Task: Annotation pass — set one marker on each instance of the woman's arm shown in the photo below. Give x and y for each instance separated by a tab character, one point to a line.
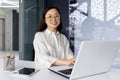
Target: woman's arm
64	62
41	52
68	52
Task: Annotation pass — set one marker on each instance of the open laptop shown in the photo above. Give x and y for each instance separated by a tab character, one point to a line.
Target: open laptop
94	57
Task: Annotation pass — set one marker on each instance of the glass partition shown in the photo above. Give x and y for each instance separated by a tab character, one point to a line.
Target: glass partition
30	11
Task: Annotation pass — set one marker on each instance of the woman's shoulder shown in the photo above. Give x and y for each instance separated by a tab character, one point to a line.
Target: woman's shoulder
63	35
37	34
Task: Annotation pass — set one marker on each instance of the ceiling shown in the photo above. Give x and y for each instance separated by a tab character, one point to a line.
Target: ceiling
10	4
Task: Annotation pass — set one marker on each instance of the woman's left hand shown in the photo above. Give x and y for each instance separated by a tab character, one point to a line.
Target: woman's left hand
72	60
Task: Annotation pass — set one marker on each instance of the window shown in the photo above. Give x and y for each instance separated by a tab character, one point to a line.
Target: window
95	20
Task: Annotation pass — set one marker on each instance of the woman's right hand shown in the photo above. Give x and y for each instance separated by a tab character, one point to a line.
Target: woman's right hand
64	62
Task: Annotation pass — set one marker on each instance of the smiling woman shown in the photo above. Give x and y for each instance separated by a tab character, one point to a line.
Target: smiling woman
51	46
52	20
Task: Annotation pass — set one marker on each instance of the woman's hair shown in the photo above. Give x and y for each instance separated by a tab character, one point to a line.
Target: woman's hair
43	25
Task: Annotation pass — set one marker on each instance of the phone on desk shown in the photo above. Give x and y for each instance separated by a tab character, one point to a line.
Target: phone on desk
26	72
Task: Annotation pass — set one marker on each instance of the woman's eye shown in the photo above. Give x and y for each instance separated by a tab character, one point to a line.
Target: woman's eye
49	16
57	16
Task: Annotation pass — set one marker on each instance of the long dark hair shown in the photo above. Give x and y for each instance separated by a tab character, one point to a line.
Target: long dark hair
43	25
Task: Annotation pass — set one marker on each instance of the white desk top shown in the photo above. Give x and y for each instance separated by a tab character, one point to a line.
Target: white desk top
45	74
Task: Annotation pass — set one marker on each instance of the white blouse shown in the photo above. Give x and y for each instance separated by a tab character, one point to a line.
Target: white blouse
49	47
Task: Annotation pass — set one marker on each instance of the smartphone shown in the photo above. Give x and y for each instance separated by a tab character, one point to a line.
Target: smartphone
26	71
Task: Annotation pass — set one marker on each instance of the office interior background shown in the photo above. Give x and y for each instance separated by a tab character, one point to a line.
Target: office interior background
82	20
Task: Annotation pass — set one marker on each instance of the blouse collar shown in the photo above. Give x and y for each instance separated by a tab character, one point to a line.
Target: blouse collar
50	32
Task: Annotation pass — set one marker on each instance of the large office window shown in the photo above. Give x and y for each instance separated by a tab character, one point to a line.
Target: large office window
95	20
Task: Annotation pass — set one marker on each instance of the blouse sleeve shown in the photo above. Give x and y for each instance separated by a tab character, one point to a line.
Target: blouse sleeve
42	57
68	52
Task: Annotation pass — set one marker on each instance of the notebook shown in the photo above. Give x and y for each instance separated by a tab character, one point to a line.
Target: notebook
94	57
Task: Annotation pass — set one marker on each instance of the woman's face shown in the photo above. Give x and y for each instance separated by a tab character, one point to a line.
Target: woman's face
52	19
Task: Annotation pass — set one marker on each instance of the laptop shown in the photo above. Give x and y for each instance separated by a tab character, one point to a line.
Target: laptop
94	57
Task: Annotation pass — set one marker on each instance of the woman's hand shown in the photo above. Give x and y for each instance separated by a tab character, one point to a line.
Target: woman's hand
64	62
72	59
69	61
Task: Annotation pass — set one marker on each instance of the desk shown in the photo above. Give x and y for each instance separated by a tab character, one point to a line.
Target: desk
45	74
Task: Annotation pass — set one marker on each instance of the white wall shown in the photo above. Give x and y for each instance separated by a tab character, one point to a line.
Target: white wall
7	15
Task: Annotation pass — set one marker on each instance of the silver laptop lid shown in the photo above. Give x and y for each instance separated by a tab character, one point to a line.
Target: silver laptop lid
94	57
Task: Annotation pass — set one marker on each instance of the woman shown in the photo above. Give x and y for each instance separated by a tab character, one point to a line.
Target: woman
51	46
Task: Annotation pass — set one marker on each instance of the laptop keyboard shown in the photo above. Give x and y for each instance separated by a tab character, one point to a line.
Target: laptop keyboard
66	71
